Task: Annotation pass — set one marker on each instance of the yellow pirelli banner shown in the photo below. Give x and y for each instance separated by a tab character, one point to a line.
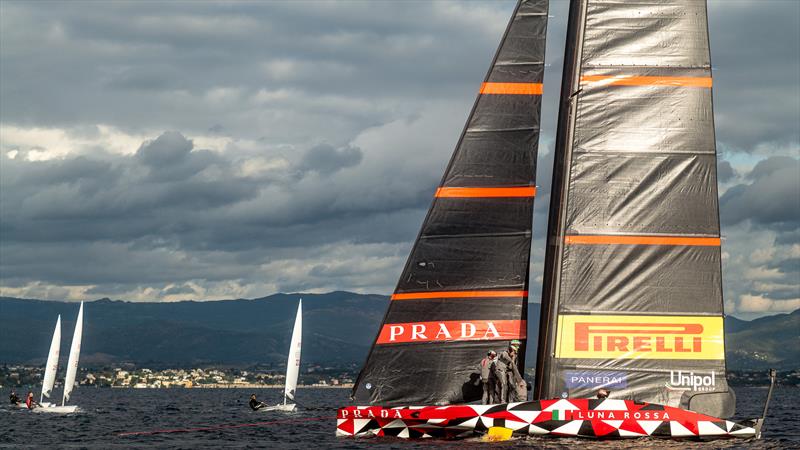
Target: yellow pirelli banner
639	337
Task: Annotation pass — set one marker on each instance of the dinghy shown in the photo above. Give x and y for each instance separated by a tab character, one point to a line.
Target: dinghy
72	368
632	297
292	366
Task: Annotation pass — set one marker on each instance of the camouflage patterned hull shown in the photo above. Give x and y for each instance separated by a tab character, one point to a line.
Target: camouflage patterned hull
604	419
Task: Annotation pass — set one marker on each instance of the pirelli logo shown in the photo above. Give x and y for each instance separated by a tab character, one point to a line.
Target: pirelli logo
640	337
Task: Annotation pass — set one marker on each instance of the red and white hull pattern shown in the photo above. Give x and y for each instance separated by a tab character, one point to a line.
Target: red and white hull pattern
607	419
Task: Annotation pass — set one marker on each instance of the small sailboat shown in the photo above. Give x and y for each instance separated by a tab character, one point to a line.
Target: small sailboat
292	366
72	368
632	296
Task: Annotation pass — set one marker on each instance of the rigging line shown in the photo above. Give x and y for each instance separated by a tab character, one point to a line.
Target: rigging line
222	427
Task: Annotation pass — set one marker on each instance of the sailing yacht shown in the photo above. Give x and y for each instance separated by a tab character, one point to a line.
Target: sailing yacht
292	366
52	367
632	295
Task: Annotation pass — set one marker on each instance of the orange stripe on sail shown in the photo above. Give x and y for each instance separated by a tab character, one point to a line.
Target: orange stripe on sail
643	240
511	88
457	294
452	330
624	80
465	192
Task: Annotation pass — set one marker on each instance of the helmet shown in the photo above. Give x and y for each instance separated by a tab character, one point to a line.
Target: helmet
514	344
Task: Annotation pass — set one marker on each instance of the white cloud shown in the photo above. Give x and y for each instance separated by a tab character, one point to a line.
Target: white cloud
760	304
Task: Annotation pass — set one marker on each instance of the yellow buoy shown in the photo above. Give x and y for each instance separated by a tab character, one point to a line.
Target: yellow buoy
497	434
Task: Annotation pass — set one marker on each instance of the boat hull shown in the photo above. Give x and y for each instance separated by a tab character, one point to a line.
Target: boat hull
56	409
604	419
285	408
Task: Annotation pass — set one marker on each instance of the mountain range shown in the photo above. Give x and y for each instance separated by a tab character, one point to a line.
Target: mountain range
339	327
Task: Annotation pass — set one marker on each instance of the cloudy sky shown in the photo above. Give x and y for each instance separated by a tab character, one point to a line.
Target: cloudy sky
194	150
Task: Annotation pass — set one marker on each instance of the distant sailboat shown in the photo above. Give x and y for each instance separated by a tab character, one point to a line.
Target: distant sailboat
72	367
292	365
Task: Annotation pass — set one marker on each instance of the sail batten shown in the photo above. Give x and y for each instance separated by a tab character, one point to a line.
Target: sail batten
632	280
464	288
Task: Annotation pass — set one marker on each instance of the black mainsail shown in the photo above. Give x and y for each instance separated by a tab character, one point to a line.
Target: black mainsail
464	289
632	295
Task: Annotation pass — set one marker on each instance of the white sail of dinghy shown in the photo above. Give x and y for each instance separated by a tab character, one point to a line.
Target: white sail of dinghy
52	363
72	367
292	365
74	355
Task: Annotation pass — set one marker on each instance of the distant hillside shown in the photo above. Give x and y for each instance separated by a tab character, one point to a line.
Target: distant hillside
338	327
772	341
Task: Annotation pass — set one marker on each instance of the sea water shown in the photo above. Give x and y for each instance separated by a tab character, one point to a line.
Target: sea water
217	418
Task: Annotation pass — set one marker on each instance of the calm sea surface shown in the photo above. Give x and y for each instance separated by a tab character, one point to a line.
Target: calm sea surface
109	413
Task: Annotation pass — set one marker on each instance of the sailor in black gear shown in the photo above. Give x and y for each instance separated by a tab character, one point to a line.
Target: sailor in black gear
255	404
14	398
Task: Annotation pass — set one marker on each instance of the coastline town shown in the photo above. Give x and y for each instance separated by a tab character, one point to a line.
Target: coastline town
19	376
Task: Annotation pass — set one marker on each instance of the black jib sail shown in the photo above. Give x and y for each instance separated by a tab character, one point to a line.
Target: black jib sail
632	295
464	289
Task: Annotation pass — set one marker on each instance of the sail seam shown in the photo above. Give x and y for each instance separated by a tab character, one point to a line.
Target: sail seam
485	192
526	233
511	88
642	240
630	80
456	294
501	130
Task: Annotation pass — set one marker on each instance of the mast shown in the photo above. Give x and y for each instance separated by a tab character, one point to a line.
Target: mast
555	225
632	299
464	289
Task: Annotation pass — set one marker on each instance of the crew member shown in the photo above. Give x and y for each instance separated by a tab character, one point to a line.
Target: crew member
255	404
513	387
14	398
602	393
488	377
30	402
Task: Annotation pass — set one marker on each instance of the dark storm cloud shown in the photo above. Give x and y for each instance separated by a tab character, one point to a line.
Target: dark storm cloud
326	159
336	67
725	171
771	198
755	51
171	212
333	123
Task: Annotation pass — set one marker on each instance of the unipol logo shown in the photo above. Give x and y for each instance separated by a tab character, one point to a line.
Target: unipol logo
640	337
393	333
691	381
